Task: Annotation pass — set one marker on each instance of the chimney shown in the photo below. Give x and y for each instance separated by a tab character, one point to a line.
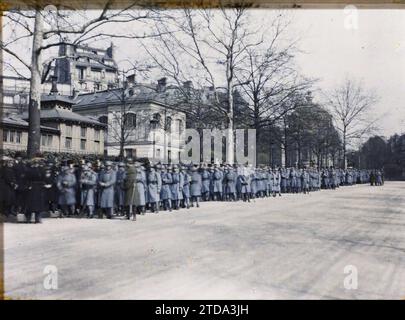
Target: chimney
110	51
54	88
75	93
161	87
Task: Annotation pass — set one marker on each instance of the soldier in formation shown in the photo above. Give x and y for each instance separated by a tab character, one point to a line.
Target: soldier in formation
127	189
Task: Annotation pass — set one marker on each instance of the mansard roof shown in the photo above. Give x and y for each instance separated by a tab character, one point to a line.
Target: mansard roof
138	93
169	96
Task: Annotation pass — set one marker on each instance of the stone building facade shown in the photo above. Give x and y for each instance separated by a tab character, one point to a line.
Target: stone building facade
85	68
77	69
140	119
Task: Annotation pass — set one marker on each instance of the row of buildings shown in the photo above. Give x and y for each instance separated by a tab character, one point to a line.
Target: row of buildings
86	109
100	122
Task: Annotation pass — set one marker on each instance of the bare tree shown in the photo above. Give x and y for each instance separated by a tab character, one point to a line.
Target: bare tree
215	43
47	29
350	105
122	124
268	79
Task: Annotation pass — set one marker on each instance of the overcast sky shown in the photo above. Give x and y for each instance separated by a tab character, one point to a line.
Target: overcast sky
373	51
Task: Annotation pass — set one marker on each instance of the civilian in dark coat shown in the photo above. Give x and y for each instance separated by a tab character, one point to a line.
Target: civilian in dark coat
36	195
51	196
8	188
20	171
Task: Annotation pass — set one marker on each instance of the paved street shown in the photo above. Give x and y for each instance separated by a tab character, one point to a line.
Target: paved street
296	246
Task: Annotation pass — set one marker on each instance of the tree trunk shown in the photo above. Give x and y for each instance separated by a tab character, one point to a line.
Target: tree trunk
344	149
230	155
121	155
257	127
34	128
284	143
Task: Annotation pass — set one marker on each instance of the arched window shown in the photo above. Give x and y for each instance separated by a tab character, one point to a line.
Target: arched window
103	119
130	120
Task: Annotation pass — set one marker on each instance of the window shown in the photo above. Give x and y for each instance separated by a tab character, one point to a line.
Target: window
82	144
96	146
130	120
11	137
68	143
180	126
169	156
50	137
128	153
83	132
18	137
80	73
168	126
8	100
97	134
46	140
16	99
68	130
155	122
5	135
96	74
157	153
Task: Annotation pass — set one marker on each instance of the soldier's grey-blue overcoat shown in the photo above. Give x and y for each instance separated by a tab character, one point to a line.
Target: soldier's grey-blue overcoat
66	184
186	184
217	178
206	181
107	177
166	193
195	184
154	185
88	181
177	186
244	182
230	182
